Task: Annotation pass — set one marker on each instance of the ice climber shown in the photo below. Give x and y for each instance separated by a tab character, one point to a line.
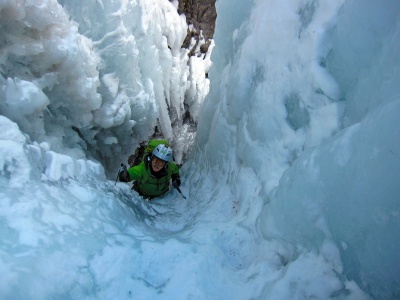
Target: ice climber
153	175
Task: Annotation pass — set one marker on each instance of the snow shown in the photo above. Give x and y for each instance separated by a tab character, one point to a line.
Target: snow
291	178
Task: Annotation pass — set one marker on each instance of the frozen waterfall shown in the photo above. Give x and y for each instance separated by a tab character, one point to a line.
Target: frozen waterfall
292	176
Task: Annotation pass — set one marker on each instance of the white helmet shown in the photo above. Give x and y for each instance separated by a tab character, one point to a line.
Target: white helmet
163	152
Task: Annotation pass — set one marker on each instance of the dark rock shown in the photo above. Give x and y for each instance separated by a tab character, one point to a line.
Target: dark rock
202	15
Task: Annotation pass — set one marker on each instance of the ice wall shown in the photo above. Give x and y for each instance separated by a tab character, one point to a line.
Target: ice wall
143	69
309	90
147	77
93	79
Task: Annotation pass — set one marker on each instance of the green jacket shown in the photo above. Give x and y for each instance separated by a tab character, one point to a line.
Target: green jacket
148	184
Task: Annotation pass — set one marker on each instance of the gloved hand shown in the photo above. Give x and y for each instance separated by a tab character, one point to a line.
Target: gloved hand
176	181
124	175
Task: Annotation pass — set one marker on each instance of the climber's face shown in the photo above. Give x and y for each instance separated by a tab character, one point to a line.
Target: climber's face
157	164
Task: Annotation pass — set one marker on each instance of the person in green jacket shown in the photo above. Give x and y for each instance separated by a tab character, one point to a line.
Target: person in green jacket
153	175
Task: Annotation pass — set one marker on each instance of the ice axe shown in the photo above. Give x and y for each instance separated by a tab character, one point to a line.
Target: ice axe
175	185
119	172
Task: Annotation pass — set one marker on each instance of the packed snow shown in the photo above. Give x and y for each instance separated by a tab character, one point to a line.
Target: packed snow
291	179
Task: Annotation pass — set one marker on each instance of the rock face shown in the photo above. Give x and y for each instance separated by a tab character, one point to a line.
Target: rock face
202	15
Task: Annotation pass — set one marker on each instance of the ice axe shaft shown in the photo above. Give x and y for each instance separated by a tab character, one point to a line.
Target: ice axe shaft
119	172
179	190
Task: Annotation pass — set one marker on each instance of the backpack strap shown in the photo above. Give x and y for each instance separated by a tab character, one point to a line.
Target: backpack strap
147	158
